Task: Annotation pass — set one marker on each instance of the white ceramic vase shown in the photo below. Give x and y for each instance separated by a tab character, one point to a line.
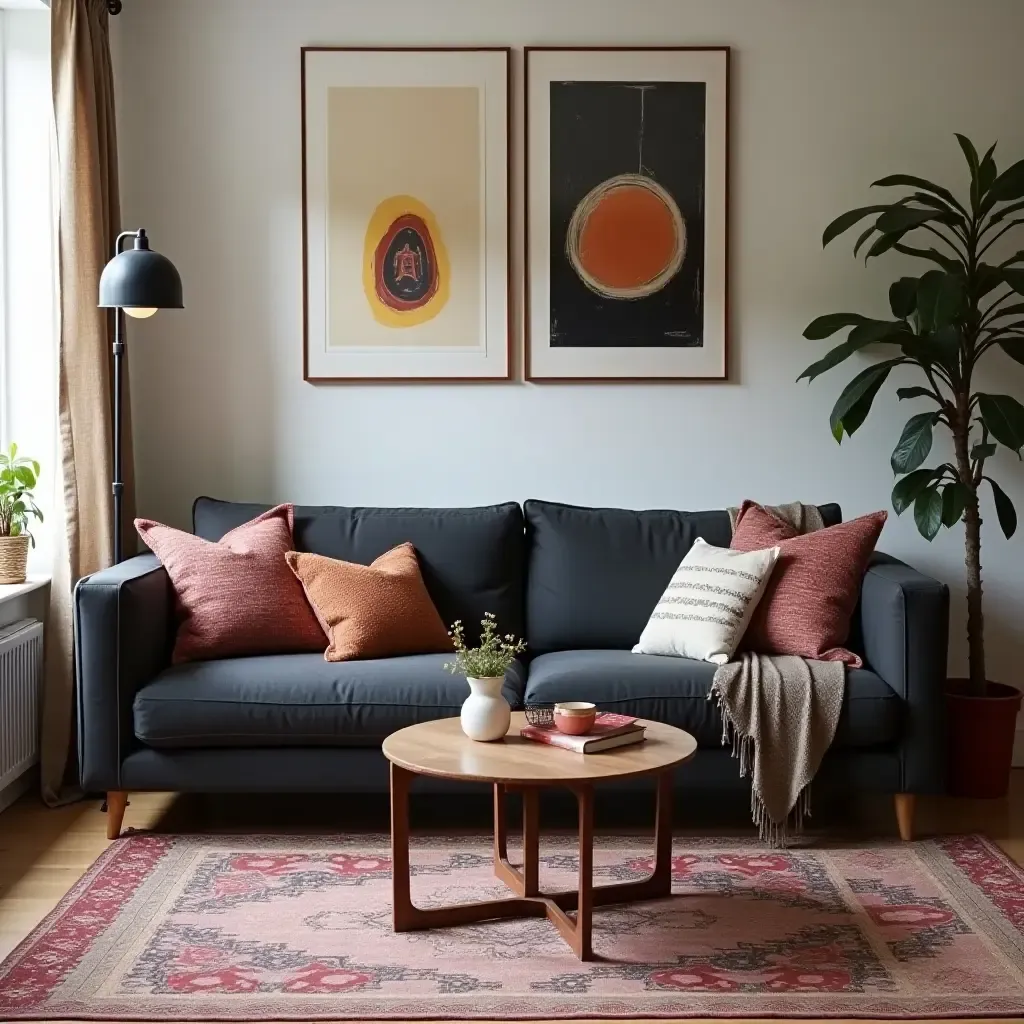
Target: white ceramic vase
486	715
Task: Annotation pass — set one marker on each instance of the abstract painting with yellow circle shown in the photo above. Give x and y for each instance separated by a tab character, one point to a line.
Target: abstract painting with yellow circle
627	214
405	217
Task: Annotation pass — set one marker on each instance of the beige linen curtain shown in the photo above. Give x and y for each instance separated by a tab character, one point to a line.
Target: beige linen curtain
88	221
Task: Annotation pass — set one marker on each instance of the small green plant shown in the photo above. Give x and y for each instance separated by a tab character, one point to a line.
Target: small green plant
492	658
18	476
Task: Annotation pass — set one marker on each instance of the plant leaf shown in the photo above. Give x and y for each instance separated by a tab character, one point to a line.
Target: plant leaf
1010	184
940	299
868	232
904	218
948	263
914	392
883	244
903	297
827	325
1015	279
987	171
906	490
1004	417
1006	211
986	278
928	512
983	451
846	221
914	444
1005	512
854	403
913	181
954	501
1014	348
862	335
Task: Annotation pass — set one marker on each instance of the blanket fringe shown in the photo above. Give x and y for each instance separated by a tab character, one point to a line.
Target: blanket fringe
774	833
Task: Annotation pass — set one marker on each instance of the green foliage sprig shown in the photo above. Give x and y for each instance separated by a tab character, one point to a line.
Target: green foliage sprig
18	477
944	322
492	658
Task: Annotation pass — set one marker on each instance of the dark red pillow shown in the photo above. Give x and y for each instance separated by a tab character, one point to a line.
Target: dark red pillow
810	598
236	596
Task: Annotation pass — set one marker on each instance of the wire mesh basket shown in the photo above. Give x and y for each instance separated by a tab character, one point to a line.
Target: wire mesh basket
540	714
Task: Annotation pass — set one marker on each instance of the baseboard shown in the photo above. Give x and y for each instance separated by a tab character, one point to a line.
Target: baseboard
22	784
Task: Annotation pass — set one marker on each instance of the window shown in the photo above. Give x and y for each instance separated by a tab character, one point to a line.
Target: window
28	317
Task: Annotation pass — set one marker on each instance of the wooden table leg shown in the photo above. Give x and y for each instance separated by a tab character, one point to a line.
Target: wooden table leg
525	879
661	879
531	842
402	908
585	908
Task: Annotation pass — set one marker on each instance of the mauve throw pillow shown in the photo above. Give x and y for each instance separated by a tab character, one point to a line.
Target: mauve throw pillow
381	610
810	598
236	596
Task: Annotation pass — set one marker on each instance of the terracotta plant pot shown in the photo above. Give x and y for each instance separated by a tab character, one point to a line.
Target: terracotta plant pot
13	559
981	735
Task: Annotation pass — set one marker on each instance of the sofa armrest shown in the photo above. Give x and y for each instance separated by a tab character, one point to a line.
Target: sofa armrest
905	623
123	634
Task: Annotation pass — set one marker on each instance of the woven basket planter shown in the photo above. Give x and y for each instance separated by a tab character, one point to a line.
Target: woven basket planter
13	559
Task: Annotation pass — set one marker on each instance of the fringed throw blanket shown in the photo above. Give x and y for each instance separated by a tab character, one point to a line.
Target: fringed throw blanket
780	714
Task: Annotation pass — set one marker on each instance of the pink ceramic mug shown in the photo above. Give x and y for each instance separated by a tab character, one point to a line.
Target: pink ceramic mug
575	717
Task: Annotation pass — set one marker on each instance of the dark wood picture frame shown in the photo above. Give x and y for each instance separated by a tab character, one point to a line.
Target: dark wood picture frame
529	375
509	317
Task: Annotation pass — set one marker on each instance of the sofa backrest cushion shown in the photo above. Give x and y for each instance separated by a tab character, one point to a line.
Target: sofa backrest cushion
594	575
472	559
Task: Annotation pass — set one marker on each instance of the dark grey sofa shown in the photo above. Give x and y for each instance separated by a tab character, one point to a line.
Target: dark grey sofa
579	583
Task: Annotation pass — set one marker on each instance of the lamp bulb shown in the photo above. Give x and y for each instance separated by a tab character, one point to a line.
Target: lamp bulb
140	312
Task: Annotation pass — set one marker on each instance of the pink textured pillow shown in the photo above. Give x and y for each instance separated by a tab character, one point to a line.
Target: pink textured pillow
810	598
236	596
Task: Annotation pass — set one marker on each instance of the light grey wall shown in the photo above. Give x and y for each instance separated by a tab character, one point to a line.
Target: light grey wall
828	95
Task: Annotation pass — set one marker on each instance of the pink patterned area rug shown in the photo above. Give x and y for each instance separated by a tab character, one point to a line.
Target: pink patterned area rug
166	928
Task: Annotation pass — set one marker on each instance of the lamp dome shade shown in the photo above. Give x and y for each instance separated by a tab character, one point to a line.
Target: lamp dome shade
139	277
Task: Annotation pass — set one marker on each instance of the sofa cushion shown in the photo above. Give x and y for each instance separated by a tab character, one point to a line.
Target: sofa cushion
299	700
675	691
594	575
472	559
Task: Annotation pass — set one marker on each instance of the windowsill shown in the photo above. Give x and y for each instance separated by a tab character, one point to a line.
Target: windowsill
10	591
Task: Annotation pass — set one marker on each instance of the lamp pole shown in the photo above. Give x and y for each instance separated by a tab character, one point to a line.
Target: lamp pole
140	282
117	486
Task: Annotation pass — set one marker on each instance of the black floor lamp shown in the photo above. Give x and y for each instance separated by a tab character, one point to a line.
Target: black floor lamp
138	282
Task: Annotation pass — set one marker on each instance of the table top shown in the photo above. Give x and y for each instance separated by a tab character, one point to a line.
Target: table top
442	749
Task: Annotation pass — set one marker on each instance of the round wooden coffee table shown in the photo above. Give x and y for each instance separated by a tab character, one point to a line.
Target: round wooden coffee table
441	749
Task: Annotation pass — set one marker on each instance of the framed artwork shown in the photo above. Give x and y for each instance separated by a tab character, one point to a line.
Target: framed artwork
626	213
405	214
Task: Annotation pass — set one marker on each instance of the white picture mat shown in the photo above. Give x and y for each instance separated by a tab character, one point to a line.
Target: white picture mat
547	66
485	70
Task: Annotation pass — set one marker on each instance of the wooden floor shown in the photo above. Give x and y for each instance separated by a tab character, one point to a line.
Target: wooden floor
43	852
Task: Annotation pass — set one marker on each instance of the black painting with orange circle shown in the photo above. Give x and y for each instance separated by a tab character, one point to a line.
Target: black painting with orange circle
627	214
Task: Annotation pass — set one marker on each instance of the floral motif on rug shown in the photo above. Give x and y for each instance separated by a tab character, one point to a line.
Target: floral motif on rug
170	928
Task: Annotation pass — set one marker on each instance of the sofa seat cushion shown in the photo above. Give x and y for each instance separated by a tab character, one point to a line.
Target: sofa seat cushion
675	691
299	700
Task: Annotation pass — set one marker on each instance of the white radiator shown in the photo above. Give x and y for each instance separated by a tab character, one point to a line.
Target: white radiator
21	666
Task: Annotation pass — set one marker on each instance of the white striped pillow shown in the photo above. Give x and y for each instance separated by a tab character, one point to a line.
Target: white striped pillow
708	603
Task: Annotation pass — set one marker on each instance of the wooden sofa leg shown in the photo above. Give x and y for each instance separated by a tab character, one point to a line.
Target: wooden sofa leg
905	814
117	801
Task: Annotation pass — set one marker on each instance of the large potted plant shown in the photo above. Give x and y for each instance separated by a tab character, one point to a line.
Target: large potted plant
965	305
18	477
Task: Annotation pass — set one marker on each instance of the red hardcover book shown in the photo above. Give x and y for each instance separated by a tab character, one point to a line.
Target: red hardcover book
609	731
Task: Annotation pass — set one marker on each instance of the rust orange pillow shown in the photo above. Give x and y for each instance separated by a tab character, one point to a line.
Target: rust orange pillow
380	610
810	598
235	596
